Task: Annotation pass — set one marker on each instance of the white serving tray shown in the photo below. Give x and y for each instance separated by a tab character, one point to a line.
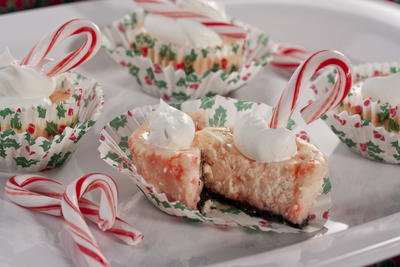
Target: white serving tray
365	217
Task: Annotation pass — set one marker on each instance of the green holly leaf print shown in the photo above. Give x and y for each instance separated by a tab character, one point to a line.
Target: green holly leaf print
207	102
155	199
393	126
324	117
181	96
393	69
25	163
46	144
41	112
191	57
134	71
291	124
191	220
206	73
348	142
181	82
231	210
166	204
160	84
215	67
204	53
235	48
224	76
366	122
51	128
373	148
5	112
60	138
31	141
123	144
150	73
58	159
243	105
219	118
16	122
396	146
337	132
192	78
112	156
326	186
374	156
211	94
130	20
262	39
384	114
119	122
179	206
90	123
176	105
7	133
61	111
331	78
7	143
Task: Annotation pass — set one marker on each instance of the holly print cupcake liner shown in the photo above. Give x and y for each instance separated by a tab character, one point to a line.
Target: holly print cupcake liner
43	137
178	85
357	133
222	112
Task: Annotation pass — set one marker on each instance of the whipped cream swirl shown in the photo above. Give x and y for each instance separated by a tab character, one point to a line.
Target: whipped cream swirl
256	140
22	86
385	88
170	128
185	31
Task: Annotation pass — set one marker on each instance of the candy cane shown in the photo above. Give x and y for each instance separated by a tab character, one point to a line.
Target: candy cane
168	9
300	79
288	57
37	55
43	194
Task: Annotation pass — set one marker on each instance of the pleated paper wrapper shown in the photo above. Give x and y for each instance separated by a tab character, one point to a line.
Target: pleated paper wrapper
222	112
173	85
43	137
362	135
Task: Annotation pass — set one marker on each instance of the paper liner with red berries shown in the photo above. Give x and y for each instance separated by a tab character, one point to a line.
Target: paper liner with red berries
43	137
366	137
233	64
222	112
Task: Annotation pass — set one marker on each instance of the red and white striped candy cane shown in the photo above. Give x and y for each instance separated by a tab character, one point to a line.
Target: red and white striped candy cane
169	9
288	57
302	77
43	194
37	55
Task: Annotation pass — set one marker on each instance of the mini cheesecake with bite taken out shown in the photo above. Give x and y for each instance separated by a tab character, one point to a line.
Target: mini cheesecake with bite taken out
264	172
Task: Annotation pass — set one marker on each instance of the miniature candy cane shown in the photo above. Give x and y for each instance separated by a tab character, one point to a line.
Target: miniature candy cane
168	9
37	55
288	57
300	79
44	195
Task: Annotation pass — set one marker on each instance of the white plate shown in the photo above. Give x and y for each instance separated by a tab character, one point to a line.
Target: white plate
365	216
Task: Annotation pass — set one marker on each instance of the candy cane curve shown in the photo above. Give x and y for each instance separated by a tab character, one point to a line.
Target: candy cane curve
37	55
288	57
43	194
300	79
168	9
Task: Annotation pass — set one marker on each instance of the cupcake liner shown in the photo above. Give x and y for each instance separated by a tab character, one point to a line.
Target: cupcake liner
177	85
23	143
222	112
366	137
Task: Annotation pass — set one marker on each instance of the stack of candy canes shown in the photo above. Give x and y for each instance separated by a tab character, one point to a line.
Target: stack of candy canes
51	197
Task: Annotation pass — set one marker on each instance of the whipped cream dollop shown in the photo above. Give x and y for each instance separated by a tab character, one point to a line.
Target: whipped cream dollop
256	140
385	88
170	128
186	31
22	86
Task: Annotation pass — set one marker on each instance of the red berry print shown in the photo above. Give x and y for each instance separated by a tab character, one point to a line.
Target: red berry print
325	215
363	147
130	113
393	111
357	125
194	86
312	217
342	122
61	129
358	109
378	136
367	102
18	110
144	51
121	28
31	128
147	80
224	63
157	68
70	111
180	66
303	135
102	138
123	64
377	73
166	98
